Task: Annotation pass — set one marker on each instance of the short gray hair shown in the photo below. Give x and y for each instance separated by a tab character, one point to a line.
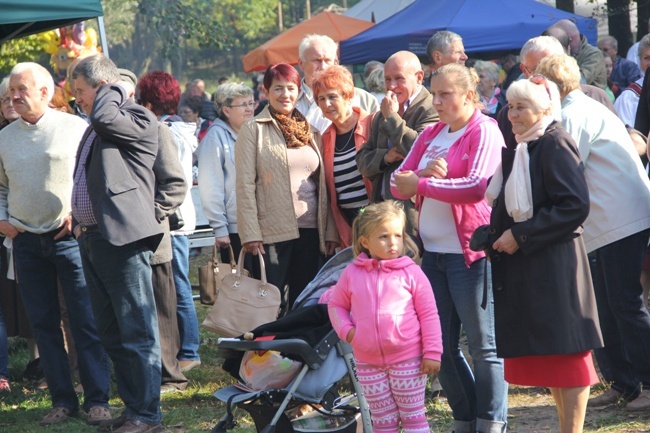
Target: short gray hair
441	41
227	92
375	82
542	97
95	69
312	39
539	44
4	86
611	39
491	69
42	77
644	44
372	65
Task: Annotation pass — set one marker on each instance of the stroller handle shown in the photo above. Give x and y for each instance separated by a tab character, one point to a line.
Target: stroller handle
311	356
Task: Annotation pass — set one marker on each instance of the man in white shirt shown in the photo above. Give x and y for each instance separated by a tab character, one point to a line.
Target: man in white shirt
317	53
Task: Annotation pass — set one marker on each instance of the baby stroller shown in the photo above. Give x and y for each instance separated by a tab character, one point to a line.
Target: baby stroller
304	334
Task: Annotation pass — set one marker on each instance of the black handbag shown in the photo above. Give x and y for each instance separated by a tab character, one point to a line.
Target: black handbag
480	240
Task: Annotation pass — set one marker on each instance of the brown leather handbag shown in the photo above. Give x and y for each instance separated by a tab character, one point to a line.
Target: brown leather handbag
211	274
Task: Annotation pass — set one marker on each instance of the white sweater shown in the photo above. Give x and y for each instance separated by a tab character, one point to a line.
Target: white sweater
36	166
619	190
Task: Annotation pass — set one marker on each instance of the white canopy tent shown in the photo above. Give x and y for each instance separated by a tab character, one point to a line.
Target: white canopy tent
380	9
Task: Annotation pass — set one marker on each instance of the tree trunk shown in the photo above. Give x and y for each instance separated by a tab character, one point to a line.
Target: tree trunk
618	14
643	14
565	5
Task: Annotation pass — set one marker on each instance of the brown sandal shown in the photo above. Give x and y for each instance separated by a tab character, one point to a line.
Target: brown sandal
57	415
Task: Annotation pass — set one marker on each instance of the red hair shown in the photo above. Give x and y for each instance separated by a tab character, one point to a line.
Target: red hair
161	90
281	71
335	77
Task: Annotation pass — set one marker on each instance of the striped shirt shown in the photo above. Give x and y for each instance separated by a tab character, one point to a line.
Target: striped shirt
350	190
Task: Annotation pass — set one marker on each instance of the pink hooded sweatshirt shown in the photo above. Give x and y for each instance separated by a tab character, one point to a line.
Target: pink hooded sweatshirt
391	305
471	161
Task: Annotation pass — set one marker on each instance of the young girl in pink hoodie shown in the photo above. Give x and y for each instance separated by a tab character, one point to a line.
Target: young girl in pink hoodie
383	305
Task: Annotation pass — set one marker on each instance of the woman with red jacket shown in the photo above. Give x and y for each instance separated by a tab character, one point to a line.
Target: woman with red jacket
348	191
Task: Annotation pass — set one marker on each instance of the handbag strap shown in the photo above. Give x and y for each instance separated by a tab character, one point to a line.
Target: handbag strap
216	257
240	265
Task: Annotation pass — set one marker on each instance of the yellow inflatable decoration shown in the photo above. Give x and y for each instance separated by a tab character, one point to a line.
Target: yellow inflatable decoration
67	44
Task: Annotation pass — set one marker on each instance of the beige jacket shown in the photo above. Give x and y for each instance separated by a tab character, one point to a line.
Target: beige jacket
264	203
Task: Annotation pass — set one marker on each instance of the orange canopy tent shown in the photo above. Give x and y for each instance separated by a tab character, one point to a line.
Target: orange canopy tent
284	47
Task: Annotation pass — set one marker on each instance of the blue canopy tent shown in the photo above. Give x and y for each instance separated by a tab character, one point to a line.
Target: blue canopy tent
489	28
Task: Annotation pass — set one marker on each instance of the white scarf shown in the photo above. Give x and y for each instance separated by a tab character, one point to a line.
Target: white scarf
518	190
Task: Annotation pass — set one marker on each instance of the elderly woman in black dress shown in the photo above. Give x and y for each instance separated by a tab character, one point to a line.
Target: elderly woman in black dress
545	312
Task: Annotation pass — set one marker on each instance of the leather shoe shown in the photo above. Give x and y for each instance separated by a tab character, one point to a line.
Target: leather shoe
611	396
642	402
135	426
189	365
111	424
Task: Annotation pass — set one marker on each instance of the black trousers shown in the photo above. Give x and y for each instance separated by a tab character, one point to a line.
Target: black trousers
292	264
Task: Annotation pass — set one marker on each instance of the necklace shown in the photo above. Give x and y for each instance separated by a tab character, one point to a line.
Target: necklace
350	134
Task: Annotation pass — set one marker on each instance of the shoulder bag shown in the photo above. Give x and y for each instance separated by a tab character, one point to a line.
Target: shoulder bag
243	303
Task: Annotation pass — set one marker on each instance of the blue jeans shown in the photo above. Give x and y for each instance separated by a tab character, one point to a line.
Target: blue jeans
41	263
479	401
188	324
624	320
4	348
121	292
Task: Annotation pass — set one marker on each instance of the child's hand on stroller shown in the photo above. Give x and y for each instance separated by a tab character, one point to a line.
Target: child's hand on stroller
429	366
350	336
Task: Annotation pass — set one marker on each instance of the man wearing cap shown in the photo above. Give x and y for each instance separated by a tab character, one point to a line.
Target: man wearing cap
117	230
36	161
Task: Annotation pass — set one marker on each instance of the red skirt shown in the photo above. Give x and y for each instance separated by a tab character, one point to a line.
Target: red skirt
554	371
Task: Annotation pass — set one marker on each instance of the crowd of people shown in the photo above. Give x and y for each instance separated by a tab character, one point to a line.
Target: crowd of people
505	199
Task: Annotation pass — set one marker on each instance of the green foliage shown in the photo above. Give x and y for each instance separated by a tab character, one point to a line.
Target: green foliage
179	20
27	49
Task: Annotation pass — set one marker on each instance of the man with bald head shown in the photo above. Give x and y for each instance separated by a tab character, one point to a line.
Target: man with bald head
589	58
405	111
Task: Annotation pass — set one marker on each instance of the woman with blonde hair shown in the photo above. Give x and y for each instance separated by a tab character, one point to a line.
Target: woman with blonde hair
544	303
448	169
348	191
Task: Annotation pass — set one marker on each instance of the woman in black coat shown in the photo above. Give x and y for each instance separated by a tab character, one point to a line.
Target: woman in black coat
545	311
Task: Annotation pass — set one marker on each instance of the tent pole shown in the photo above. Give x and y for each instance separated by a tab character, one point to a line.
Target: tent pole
102	35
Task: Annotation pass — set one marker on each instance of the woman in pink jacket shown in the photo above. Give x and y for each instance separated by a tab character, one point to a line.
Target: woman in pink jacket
385	298
448	169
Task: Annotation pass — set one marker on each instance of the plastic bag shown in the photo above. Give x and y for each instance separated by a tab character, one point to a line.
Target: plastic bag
268	369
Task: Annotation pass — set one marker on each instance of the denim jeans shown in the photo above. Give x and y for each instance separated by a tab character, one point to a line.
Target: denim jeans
121	292
624	320
188	324
4	348
479	401
41	263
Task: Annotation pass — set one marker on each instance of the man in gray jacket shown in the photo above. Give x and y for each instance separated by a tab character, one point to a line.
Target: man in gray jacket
117	230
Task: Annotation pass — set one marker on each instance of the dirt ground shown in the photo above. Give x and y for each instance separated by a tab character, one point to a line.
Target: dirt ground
532	410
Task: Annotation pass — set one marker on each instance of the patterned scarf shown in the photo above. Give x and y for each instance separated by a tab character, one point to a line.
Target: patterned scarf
294	127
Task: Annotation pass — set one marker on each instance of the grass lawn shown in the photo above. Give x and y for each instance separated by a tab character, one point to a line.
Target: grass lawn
197	410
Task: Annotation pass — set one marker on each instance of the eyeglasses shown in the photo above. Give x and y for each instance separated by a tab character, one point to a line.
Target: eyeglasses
5	101
527	70
244	105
